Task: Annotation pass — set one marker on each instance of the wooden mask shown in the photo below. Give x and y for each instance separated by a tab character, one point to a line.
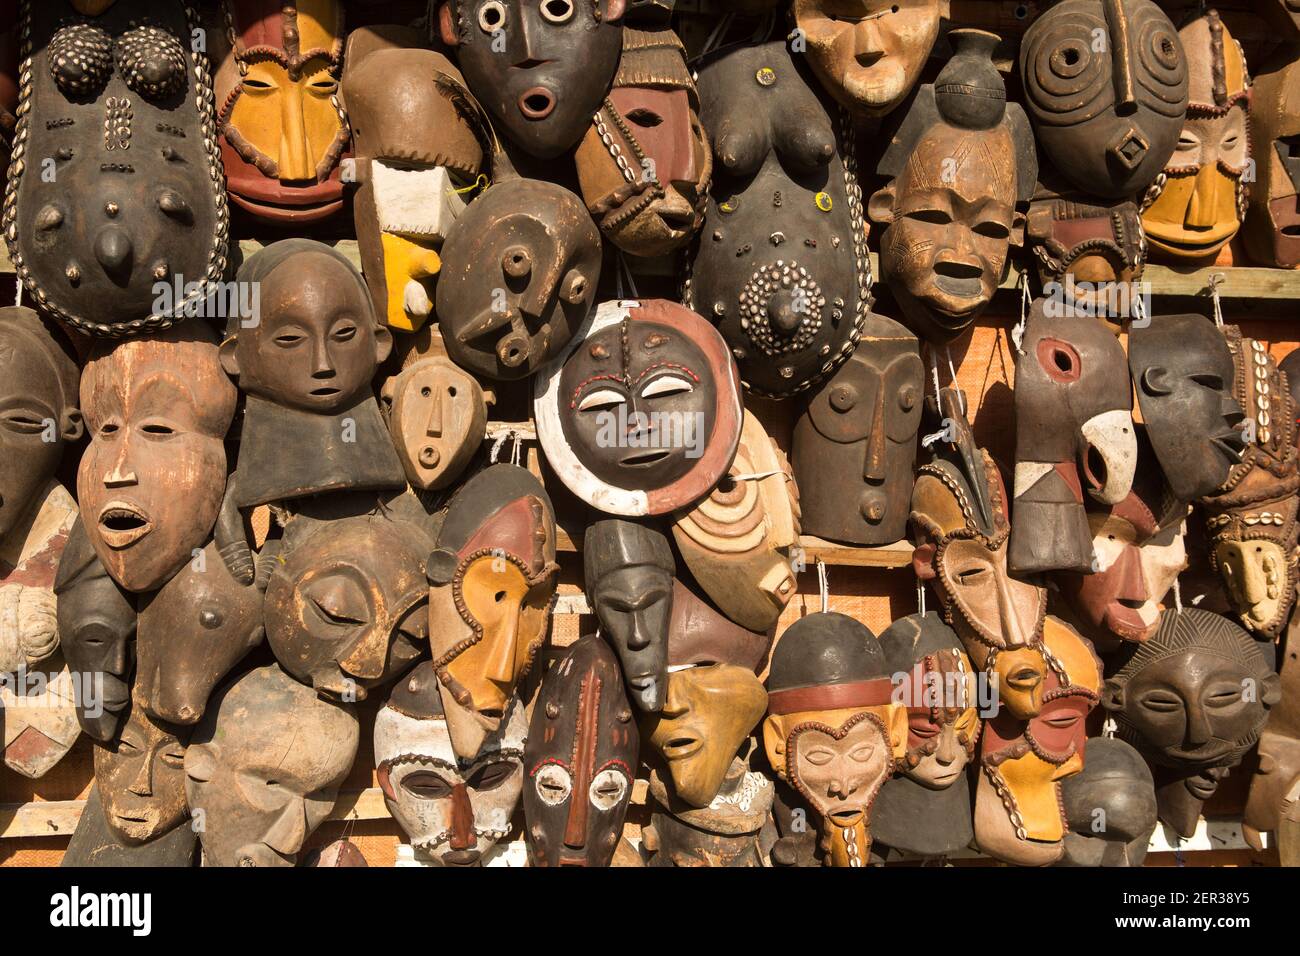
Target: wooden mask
736	542
1086	248
40	718
115	110
519	273
869	54
731	831
833	731
580	759
1110	807
958	168
152	480
641	412
492	580
141	778
95	844
283	129
1279	748
437	416
1107	113
1197	204
541	67
1272	230
263	768
645	164
453	809
855	441
1074	433
791	303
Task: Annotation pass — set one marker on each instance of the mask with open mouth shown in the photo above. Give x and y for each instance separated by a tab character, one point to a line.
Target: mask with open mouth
264	766
541	67
791	302
1074	432
1193	699
492	580
1272	229
122	190
453	809
141	778
580	759
959	169
150	484
833	731
283	129
641	413
1110	807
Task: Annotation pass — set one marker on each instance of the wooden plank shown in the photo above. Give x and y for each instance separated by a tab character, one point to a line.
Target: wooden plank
896	555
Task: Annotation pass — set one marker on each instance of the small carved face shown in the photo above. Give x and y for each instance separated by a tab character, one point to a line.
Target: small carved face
436	414
634	606
941	726
839	769
992	607
141	779
1258	575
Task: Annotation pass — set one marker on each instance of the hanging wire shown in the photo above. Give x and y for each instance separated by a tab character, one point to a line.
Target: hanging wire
920	597
496	447
823	585
961	396
1018	331
1215	281
627	270
518	447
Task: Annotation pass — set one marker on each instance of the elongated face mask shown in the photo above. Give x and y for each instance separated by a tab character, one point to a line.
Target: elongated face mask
437	415
1272	230
1110	807
141	778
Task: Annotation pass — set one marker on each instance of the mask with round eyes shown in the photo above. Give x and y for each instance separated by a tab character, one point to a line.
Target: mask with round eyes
1074	433
1110	807
1272	229
283	129
437	416
541	67
1195	208
791	303
855	444
580	759
263	768
123	119
141	778
519	273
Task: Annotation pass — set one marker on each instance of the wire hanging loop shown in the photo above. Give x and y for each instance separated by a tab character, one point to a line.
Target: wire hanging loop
1216	280
823	585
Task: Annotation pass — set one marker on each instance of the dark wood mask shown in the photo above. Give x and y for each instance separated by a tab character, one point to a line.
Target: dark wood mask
94	844
1279	746
141	779
115	110
733	831
1110	807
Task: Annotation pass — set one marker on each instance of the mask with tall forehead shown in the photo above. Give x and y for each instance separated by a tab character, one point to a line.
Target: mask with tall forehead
641	413
453	809
1110	807
541	67
282	127
1196	206
437	415
645	164
781	265
122	107
1272	229
855	443
1106	87
519	273
141	778
151	482
492	580
869	53
1279	748
264	766
580	759
958	167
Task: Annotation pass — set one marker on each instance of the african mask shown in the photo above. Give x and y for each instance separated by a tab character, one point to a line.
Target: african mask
1074	433
580	759
121	193
628	576
736	541
1198	202
1272	229
1110	807
38	717
152	480
1019	816
541	67
453	809
95	844
1193	699
855	441
1107	113
832	730
190	634
97	622
492	580
1086	249
1251	519
1279	748
732	831
141	778
416	142
519	273
437	416
641	412
959	166
924	808
1182	372
346	608
282	127
29	561
791	302
263	767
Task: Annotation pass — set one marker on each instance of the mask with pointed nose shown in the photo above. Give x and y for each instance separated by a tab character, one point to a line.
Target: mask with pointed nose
263	768
141	778
1110	807
1272	229
437	415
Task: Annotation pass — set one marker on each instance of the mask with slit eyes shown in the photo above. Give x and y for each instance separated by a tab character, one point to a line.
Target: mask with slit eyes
1272	228
141	779
1110	807
781	266
454	810
114	105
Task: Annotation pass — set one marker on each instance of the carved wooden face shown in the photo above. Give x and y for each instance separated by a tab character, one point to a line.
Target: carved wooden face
1272	230
437	415
141	779
838	761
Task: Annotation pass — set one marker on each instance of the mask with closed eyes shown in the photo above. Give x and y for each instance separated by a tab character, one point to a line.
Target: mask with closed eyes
121	106
1110	807
855	442
453	809
781	266
141	778
1272	228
